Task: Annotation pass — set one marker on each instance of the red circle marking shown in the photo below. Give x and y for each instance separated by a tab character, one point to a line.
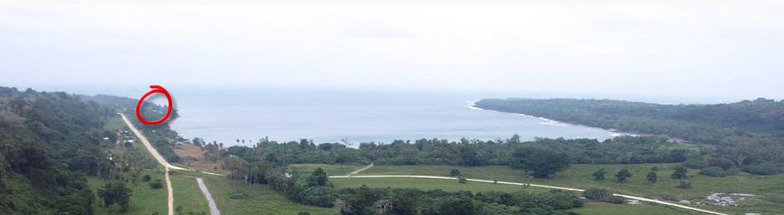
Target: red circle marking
156	89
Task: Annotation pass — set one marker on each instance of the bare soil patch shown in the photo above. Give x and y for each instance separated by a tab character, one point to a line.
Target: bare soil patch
193	157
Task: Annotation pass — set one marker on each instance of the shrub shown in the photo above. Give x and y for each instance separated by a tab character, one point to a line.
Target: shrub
694	163
603	195
622	175
597	194
303	213
461	180
238	194
615	200
454	172
683	184
599	174
559	199
146	178
762	169
723	163
713	171
157	184
669	197
732	171
321	196
651	177
680	173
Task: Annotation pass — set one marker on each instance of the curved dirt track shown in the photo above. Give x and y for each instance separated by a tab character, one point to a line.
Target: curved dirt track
159	158
532	185
360	170
167	166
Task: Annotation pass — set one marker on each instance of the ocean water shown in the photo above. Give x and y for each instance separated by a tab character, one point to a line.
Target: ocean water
225	115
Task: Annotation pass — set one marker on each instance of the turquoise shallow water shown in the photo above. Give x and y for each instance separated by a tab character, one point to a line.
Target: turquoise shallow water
225	115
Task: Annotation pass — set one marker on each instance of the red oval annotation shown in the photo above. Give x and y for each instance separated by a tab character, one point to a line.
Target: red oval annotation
156	89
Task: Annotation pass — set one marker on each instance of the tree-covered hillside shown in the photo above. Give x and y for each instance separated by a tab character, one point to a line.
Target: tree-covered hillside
160	136
49	144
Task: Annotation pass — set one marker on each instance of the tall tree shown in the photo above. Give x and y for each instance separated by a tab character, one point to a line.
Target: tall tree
651	177
539	162
622	175
318	178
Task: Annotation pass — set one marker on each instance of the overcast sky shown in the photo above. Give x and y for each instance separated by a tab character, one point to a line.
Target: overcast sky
726	50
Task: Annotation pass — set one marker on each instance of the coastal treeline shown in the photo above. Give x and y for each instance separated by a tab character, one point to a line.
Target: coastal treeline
509	152
746	135
709	124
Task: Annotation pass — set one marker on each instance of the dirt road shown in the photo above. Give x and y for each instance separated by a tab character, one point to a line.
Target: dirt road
159	158
211	202
149	147
360	170
532	185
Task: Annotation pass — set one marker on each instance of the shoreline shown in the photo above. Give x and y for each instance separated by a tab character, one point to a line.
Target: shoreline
613	132
470	104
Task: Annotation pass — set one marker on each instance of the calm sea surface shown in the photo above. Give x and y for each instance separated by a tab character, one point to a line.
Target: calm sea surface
336	116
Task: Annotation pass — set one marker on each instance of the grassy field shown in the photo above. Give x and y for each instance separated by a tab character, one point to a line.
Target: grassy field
330	169
115	123
144	200
261	199
187	193
590	208
598	208
579	176
430	184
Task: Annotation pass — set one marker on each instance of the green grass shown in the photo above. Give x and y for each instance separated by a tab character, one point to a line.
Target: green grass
430	184
579	176
187	193
263	199
598	208
115	123
144	200
330	169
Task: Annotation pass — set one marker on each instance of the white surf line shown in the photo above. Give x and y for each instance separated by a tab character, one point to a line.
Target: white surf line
533	185
211	202
360	170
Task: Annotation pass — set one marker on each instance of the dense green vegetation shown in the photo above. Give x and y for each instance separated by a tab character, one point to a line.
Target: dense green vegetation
710	124
268	162
768	189
66	154
599	208
233	197
541	158
159	135
430	184
746	135
366	200
52	143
